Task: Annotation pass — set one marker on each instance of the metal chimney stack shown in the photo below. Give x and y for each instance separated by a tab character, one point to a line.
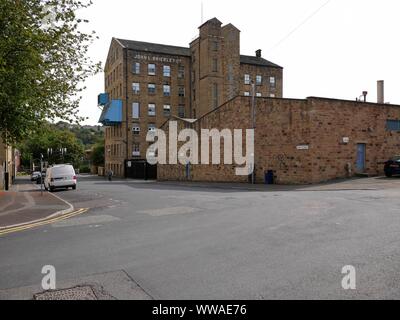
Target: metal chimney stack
381	91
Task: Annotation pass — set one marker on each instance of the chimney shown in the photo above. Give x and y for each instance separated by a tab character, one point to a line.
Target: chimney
365	93
258	53
381	91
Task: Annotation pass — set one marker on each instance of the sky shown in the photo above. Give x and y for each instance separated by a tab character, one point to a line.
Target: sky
333	49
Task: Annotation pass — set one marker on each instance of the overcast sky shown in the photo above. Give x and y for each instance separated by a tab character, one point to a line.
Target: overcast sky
333	49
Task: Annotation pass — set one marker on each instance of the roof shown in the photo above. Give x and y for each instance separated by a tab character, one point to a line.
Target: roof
213	20
155	47
183	51
258	61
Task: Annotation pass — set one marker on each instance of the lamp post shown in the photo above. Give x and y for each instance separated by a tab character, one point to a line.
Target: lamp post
63	151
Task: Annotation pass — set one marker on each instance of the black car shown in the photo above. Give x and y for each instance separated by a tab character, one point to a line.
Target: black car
392	166
38	181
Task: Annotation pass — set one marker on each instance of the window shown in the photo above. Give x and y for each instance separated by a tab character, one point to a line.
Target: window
151	88
167	90
230	72
136	150
152	127
258	94
181	111
167	71
151	69
181	91
215	65
136	129
393	125
136	88
151	109
136	68
272	95
215	95
247	93
181	72
246	79
167	110
272	82
135	110
258	80
215	45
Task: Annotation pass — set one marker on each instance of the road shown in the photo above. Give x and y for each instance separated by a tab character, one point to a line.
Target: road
177	241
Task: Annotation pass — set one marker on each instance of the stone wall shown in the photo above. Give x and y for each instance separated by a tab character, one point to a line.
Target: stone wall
302	141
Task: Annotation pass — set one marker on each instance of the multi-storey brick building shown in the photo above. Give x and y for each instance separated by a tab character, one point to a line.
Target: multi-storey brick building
146	83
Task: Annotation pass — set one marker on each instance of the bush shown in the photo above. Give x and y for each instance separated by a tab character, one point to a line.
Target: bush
84	169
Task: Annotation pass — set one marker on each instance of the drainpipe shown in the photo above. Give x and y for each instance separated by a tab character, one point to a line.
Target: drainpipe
253	125
126	107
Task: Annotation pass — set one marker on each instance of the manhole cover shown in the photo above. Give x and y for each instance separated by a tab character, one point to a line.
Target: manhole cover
76	293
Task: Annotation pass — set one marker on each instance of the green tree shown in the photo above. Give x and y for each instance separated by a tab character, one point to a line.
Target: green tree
89	136
56	145
43	63
98	154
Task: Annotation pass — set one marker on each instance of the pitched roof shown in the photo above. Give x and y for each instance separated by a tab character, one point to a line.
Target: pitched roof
213	20
155	47
258	61
183	51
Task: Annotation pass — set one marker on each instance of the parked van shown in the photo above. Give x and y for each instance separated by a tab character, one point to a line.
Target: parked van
60	176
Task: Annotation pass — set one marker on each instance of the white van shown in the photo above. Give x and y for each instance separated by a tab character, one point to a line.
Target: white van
60	176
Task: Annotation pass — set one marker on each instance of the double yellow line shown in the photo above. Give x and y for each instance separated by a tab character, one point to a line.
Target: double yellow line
43	222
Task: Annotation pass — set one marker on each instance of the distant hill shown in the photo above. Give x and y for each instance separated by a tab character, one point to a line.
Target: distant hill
88	135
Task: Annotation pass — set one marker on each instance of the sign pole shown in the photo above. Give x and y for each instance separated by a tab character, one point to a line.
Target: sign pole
41	177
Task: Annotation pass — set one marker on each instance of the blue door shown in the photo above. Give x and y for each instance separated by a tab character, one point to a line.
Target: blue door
361	157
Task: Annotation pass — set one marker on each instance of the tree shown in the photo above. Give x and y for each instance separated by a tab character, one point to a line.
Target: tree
49	141
43	63
88	135
98	154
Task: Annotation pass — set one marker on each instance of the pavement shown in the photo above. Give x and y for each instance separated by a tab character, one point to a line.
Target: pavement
26	204
151	240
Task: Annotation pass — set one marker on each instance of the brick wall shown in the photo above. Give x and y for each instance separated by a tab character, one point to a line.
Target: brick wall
300	140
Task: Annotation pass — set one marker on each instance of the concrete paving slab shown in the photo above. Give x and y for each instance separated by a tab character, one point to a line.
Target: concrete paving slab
115	285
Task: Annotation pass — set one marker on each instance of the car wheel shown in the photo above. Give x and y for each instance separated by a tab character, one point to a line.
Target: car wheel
51	189
388	174
74	188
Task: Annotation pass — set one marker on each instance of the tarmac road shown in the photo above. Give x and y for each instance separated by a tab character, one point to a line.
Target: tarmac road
185	241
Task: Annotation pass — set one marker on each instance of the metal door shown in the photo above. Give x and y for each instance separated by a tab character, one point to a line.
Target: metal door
360	165
140	169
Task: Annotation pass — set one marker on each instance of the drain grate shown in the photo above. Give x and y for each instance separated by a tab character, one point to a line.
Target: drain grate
75	293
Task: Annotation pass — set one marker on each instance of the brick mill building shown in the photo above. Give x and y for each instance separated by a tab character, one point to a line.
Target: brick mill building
146	83
209	86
